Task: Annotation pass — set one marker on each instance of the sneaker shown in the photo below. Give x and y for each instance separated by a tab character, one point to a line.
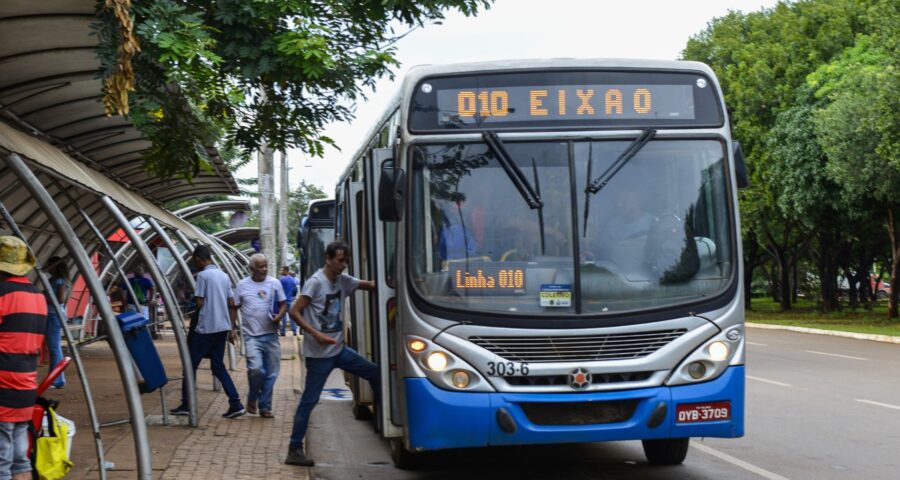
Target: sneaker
266	414
297	457
252	407
234	412
180	410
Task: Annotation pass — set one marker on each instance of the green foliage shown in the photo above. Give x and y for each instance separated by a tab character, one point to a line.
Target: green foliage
252	72
299	205
785	73
212	223
859	129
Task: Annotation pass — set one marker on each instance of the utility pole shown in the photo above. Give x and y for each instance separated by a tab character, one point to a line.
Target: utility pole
283	217
266	168
266	162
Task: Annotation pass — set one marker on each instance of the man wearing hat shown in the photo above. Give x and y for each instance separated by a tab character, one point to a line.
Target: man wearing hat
23	319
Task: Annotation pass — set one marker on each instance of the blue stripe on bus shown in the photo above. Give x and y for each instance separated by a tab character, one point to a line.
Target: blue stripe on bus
440	419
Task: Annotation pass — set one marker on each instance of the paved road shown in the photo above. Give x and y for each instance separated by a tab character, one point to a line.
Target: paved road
819	408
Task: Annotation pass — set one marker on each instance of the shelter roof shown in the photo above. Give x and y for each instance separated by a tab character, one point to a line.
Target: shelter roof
50	88
234	236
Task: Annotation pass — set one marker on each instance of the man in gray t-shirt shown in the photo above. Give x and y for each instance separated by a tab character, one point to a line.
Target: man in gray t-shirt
256	296
318	312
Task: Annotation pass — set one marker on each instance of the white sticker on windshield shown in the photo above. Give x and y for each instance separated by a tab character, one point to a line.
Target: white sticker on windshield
556	295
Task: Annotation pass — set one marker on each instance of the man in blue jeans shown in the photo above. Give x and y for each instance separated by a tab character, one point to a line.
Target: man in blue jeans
216	325
318	312
289	285
256	296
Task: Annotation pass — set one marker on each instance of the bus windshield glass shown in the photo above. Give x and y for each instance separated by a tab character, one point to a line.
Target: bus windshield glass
658	234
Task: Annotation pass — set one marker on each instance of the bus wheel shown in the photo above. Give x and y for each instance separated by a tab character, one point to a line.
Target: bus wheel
402	457
361	412
670	451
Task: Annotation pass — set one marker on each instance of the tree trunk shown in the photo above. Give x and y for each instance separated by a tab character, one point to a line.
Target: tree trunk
784	271
774	289
828	274
751	261
795	286
893	225
852	290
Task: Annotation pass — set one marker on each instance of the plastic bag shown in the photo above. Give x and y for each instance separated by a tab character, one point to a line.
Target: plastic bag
51	456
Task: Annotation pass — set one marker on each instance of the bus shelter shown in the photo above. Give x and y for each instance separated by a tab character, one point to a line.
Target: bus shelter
72	178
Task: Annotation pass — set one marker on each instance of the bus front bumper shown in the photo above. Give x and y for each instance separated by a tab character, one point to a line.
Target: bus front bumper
438	419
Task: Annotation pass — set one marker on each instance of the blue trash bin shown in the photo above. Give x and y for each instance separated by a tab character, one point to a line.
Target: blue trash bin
146	358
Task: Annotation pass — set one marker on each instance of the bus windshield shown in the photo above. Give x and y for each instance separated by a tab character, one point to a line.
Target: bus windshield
658	234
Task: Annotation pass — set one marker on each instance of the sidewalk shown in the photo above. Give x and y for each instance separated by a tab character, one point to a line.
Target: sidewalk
248	447
834	333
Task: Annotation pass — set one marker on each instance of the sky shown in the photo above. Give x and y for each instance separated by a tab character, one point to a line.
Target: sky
519	29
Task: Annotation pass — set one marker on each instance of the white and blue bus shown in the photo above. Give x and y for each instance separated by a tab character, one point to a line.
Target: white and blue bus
557	252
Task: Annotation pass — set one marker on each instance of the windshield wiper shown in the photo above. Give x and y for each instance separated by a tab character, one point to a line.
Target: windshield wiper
594	186
518	179
633	148
537	187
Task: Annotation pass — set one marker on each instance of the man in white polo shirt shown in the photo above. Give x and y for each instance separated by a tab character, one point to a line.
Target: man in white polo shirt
256	296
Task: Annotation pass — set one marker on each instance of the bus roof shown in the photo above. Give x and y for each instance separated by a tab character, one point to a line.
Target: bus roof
418	72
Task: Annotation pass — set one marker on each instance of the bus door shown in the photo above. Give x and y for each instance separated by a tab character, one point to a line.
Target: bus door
384	236
359	337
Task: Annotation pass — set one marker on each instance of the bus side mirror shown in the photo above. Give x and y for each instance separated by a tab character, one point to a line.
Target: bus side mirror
740	168
391	192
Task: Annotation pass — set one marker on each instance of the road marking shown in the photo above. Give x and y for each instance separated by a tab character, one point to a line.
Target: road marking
757	344
836	355
740	463
773	382
870	402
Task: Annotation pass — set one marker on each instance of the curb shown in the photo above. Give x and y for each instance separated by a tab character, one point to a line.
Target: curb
834	333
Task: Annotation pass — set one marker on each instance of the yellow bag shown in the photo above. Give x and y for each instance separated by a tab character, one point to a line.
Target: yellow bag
51	460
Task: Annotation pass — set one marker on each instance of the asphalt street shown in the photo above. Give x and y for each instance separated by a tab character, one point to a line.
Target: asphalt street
818	407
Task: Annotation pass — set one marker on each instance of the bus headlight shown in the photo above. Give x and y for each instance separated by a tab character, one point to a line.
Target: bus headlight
460	379
710	360
437	361
442	367
416	345
718	351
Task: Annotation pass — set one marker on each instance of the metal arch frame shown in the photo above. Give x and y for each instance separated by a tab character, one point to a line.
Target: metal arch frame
170	305
114	337
171	246
73	348
236	254
215	206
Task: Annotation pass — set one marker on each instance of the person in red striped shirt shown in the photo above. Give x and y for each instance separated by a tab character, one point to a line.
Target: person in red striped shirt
23	319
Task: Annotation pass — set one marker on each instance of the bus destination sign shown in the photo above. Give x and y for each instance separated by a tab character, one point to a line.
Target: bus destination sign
564	100
472	107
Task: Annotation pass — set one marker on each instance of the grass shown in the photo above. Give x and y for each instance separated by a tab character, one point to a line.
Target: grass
805	314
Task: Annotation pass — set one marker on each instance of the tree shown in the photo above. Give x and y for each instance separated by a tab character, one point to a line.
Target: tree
859	130
761	59
191	73
299	205
211	223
